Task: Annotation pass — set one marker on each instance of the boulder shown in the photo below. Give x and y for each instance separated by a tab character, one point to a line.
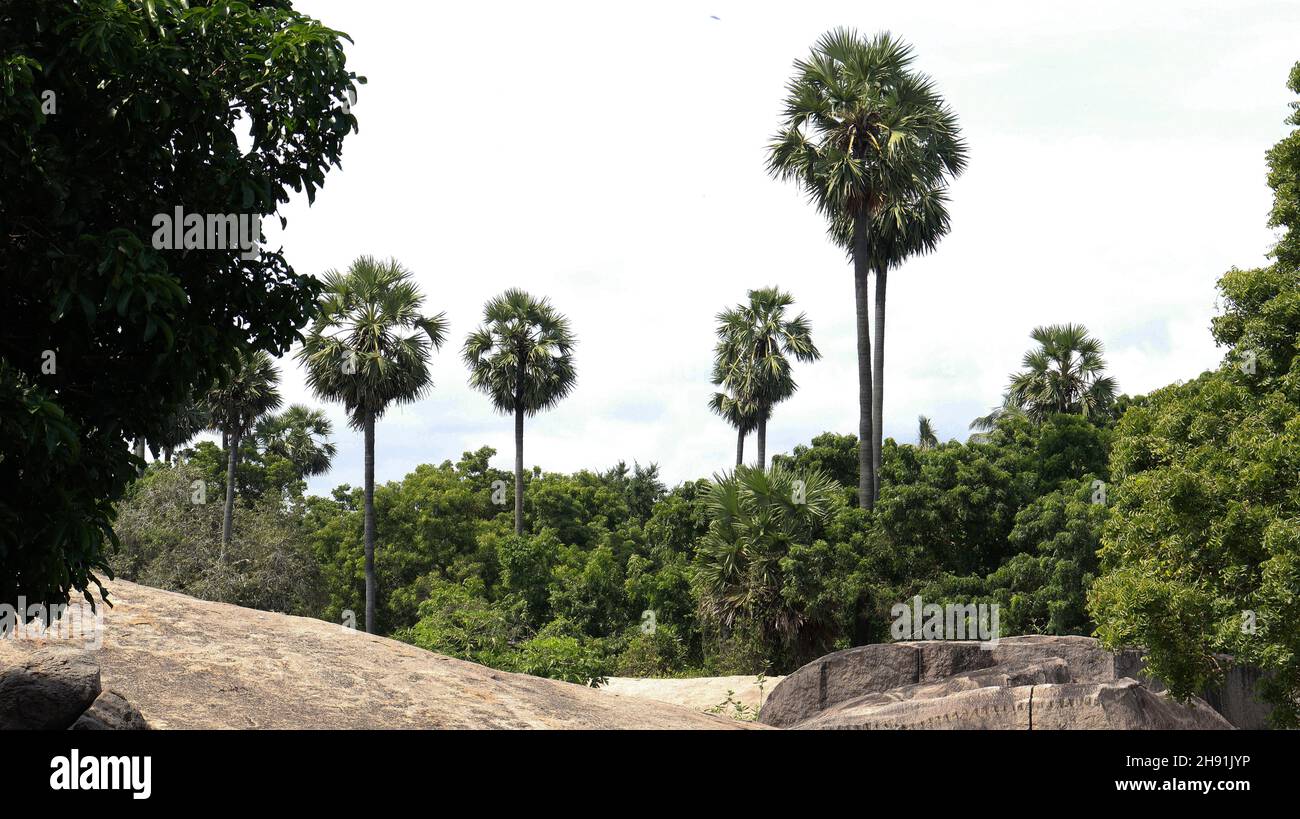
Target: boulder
47	689
1122	705
1035	681
111	712
188	663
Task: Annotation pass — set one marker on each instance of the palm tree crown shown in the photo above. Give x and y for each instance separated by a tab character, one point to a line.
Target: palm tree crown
522	355
926	437
752	359
300	435
369	347
1063	374
864	134
250	390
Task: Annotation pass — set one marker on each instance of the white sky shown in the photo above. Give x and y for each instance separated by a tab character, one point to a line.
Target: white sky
611	157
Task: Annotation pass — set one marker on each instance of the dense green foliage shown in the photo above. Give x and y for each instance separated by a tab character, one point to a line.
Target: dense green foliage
1202	553
752	572
111	113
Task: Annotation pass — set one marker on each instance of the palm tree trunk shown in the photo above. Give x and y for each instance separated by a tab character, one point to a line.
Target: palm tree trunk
228	517
878	380
740	447
866	437
762	442
519	465
370	523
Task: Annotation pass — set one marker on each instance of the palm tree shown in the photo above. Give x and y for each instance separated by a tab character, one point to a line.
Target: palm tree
248	390
757	516
738	412
754	340
1063	374
522	358
369	348
909	225
300	435
985	424
925	436
186	421
863	135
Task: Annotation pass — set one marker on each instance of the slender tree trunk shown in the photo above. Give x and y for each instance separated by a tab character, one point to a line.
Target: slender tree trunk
139	453
168	452
862	299
370	523
740	447
878	380
519	465
762	441
228	517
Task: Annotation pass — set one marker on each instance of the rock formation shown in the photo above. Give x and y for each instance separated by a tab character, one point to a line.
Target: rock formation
187	663
57	687
1024	683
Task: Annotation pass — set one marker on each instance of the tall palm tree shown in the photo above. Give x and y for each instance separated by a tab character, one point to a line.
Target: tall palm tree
740	413
369	349
864	133
755	341
908	225
926	438
301	436
249	390
1063	374
522	358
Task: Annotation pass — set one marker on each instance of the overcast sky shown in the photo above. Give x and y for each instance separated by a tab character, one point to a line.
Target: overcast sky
611	157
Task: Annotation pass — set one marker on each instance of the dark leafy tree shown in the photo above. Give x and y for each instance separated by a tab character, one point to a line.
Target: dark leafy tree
111	114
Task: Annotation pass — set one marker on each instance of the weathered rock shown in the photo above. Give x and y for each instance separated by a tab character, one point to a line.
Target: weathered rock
187	663
902	684
1087	660
111	712
47	687
988	708
1237	698
853	672
1123	705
